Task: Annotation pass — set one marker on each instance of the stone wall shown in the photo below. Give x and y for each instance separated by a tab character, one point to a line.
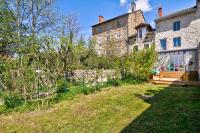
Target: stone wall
189	32
93	75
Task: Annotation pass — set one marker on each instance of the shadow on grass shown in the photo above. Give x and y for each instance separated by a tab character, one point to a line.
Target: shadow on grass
174	109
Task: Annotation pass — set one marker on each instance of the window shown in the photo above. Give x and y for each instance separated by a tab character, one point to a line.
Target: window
135	48
176	26
140	33
163	43
108	27
118	35
146	46
99	40
108	38
100	30
118	24
177	42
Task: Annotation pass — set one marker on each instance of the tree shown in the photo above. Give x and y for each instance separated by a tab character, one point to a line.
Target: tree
68	31
7	29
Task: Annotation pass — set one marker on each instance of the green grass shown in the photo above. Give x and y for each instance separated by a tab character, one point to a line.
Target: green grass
126	109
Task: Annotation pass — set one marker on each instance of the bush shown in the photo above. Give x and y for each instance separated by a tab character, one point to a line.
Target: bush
13	101
62	86
138	66
88	90
113	82
129	80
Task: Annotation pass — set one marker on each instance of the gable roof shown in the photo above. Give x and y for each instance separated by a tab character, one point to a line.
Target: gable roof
149	27
179	13
123	15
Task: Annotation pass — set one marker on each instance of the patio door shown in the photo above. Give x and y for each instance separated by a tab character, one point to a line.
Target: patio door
179	61
176	62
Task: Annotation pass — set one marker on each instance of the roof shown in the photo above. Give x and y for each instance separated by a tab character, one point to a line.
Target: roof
115	18
144	25
179	13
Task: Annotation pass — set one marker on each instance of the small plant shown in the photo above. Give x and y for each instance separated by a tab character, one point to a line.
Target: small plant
13	101
88	90
113	82
62	86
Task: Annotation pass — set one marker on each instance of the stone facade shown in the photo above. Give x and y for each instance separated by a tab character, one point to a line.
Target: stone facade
189	30
112	35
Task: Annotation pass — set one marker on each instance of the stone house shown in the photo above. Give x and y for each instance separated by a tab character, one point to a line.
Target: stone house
177	40
114	35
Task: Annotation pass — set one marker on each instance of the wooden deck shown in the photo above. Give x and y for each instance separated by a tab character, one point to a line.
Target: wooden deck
181	83
177	78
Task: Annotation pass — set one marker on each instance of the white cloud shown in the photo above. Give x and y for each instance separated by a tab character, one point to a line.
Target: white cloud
143	5
123	2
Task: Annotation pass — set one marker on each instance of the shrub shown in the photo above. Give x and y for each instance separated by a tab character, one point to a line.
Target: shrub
87	90
113	82
138	66
13	101
62	86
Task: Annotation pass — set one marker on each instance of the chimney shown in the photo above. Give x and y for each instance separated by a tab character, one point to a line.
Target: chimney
101	19
133	7
160	11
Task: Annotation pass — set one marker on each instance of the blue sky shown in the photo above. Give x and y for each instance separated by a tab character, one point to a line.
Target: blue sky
89	10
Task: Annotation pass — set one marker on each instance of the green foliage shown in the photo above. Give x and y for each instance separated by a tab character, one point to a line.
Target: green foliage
113	82
62	86
138	65
88	90
13	101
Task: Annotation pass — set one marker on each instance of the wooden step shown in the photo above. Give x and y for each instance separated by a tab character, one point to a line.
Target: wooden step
172	74
181	83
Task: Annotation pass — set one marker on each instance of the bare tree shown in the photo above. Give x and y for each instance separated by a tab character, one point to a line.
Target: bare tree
68	30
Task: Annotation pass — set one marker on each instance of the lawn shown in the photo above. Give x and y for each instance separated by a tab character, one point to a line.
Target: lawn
127	109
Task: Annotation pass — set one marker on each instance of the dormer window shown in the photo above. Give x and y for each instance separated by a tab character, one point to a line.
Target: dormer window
140	33
177	26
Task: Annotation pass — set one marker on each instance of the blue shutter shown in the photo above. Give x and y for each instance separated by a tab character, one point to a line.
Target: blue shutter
178	25
174	26
179	41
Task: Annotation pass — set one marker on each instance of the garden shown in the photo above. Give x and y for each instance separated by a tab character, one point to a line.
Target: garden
52	79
